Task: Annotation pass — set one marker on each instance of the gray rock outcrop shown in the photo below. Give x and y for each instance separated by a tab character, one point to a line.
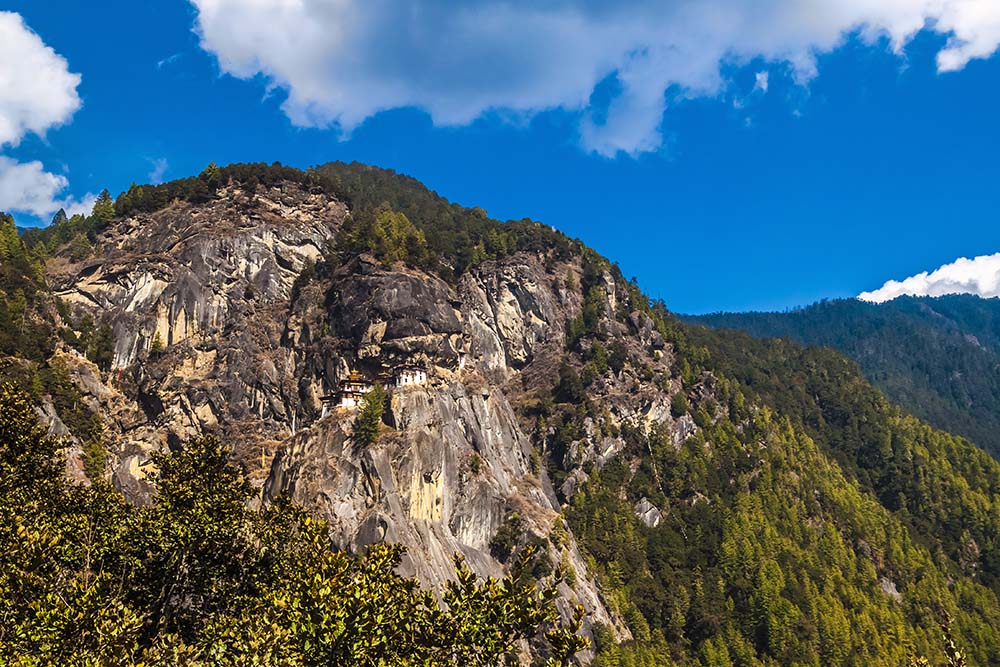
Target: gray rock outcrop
216	330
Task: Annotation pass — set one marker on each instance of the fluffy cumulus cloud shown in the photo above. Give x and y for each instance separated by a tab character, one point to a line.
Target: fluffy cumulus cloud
28	188
37	92
980	276
341	61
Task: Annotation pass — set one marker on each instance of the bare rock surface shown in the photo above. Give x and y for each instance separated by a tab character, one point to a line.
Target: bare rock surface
214	333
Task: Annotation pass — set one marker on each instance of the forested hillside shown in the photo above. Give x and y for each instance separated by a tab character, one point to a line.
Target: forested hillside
708	498
808	521
31	332
937	357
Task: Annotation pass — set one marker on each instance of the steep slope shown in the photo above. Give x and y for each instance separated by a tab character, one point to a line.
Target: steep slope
33	356
234	316
195	301
937	357
720	500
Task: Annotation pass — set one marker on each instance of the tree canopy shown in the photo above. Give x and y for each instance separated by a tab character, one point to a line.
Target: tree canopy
199	578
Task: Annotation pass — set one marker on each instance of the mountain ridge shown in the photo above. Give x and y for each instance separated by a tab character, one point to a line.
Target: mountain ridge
718	500
937	356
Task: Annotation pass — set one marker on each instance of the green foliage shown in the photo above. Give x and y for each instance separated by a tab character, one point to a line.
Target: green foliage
211	173
139	199
617	356
938	484
953	654
28	460
456	237
509	536
28	334
23	294
937	357
104	207
28	322
803	492
369	420
570	388
10	243
437	235
96	342
803	501
679	405
768	566
95	459
76	234
199	578
388	235
80	248
52	602
587	323
649	653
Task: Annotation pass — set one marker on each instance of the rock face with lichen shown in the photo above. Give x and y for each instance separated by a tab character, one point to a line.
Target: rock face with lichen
216	328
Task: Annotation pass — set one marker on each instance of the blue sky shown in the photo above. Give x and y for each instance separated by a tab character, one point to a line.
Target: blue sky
810	165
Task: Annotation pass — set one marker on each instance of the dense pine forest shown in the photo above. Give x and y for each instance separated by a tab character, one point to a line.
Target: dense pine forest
806	518
937	357
792	530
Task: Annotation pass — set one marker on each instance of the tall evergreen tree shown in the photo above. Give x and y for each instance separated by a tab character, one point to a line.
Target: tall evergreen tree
104	207
369	420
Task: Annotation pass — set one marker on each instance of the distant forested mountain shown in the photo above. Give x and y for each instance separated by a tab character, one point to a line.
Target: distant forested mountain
937	357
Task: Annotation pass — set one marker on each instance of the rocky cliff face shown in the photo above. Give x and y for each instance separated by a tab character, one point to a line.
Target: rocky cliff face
214	331
457	461
197	299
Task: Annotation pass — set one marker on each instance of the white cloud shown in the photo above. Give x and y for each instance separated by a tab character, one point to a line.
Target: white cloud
73	206
37	90
980	276
975	31
160	167
761	80
342	61
169	60
26	187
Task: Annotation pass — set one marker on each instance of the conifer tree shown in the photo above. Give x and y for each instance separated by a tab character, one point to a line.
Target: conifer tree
369	419
104	207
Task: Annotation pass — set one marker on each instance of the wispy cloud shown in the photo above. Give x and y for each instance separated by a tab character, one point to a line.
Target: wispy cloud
761	81
980	276
160	167
342	62
169	60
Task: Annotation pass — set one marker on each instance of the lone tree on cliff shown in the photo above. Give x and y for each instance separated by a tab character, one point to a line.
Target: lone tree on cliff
369	419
